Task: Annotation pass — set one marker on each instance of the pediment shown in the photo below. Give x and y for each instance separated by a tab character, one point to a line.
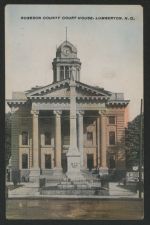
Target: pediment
63	92
87	90
62	89
51	89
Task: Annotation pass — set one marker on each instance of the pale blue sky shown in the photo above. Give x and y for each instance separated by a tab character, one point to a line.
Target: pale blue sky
111	51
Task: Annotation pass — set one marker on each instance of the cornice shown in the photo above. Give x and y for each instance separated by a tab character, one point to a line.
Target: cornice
117	102
15	102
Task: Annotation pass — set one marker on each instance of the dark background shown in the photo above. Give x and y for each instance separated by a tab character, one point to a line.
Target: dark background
146	9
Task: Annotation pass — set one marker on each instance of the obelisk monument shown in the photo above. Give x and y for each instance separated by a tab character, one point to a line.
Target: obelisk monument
73	155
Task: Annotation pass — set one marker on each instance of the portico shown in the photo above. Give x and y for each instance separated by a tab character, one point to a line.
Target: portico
62	141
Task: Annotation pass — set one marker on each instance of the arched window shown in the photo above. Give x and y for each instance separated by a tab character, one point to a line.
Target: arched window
24	161
24	138
61	73
47	138
112	138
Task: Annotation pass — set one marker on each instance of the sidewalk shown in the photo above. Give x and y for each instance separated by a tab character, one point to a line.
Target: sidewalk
29	190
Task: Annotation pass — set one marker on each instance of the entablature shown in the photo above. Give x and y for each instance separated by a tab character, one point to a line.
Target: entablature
66	106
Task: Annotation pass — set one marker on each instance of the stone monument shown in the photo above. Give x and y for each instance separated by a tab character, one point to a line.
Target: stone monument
73	155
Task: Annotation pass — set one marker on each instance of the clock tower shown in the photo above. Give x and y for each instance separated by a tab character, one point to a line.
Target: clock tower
66	60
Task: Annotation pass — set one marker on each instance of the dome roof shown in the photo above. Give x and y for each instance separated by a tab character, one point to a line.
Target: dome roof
67	44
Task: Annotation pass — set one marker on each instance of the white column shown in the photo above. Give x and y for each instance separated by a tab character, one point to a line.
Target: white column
35	136
35	170
69	71
80	136
79	75
73	155
58	73
103	157
98	141
58	139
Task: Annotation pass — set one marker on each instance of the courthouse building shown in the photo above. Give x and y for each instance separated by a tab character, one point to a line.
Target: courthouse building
40	129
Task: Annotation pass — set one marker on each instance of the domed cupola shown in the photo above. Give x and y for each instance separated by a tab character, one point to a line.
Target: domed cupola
66	60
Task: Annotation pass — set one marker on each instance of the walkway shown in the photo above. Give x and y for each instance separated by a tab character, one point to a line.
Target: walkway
29	190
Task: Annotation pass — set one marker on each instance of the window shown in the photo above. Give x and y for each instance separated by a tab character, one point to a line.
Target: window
111	138
47	138
24	138
67	72
47	161
111	119
61	73
24	161
112	162
90	136
90	161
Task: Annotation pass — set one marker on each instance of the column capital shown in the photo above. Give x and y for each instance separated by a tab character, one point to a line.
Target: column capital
34	112
57	112
13	110
80	112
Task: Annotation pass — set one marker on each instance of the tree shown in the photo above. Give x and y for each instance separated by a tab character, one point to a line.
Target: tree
132	142
7	137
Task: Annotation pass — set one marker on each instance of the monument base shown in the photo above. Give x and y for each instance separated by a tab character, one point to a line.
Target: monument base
73	176
73	163
103	171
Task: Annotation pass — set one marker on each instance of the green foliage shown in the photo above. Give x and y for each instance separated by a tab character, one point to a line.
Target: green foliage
7	137
132	142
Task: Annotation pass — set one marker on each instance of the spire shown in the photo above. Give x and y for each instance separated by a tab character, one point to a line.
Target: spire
66	34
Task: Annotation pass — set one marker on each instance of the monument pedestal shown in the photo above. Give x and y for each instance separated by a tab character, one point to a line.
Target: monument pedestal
73	163
73	155
103	171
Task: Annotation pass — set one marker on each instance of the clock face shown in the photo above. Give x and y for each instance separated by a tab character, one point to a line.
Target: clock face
66	50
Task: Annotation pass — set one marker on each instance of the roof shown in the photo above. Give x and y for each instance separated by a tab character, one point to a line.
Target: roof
67	43
60	90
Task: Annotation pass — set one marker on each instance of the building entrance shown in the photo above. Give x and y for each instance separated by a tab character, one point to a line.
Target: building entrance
64	163
90	162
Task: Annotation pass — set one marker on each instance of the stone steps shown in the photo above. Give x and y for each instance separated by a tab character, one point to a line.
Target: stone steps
77	192
89	185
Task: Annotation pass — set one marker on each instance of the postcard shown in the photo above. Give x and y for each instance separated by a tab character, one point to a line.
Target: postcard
74	112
